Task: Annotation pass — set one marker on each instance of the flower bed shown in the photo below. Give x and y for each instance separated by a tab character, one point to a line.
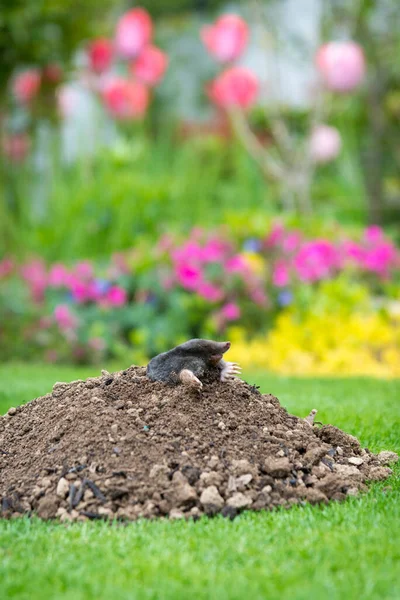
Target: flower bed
151	298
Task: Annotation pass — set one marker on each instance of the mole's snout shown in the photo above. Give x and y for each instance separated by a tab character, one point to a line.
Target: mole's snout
227	345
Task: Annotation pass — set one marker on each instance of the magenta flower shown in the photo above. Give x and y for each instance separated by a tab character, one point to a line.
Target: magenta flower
275	236
125	99
26	85
230	311
210	292
316	260
64	318
188	275
59	275
100	54
34	273
291	241
381	258
116	296
373	234
236	264
280	275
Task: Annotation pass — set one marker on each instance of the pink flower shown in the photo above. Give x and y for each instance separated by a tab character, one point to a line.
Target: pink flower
214	250
258	296
291	241
189	276
58	275
125	99
26	85
16	146
64	318
236	87
236	264
280	275
230	311
210	292
52	73
150	65
80	290
227	38
84	269
100	54
341	65
316	260
381	258
325	143
34	273
373	234
275	236
353	252
116	296
191	251
134	31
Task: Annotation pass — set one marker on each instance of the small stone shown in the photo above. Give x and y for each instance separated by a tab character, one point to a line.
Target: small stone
48	506
221	426
277	467
114	428
353	491
195	512
62	488
61	511
174	514
280	453
355	460
211	478
349	471
44	483
12	411
239	500
213	462
243	480
339	450
386	457
266	489
88	495
211	500
241	467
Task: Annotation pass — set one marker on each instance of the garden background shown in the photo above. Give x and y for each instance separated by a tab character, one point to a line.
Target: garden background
228	177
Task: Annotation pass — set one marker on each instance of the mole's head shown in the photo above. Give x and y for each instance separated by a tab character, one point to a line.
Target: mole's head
209	350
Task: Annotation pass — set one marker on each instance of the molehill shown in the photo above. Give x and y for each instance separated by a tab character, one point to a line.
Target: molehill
120	446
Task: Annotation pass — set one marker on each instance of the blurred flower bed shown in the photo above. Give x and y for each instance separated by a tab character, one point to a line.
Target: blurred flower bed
290	303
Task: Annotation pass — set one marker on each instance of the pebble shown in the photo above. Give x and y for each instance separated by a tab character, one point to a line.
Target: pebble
114	428
62	488
239	500
355	460
12	411
210	498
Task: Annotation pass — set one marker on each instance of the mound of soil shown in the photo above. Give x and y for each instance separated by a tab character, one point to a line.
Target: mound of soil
121	446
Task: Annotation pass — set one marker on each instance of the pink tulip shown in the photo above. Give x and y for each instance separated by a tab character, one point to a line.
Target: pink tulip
26	85
16	146
341	65
230	311
125	99
235	87
150	65
325	144
227	38
134	31
100	54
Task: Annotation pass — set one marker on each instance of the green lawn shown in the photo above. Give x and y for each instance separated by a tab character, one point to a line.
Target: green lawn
341	551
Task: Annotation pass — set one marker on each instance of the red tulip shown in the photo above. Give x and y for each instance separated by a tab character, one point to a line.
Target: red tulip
325	143
134	31
26	85
150	65
341	65
16	146
226	38
100	54
125	99
236	86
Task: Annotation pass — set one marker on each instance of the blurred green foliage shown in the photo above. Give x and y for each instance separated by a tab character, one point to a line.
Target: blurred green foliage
45	31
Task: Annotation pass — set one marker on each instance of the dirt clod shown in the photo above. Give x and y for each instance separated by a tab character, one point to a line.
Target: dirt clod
119	446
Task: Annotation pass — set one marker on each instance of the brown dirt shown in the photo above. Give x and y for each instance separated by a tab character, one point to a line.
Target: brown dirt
121	446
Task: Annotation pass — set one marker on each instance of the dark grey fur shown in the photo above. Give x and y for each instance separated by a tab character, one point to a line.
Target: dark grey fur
197	355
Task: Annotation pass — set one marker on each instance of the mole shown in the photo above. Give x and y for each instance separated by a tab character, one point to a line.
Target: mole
187	362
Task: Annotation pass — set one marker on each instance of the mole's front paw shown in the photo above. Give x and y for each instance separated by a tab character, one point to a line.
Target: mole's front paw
230	371
188	378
